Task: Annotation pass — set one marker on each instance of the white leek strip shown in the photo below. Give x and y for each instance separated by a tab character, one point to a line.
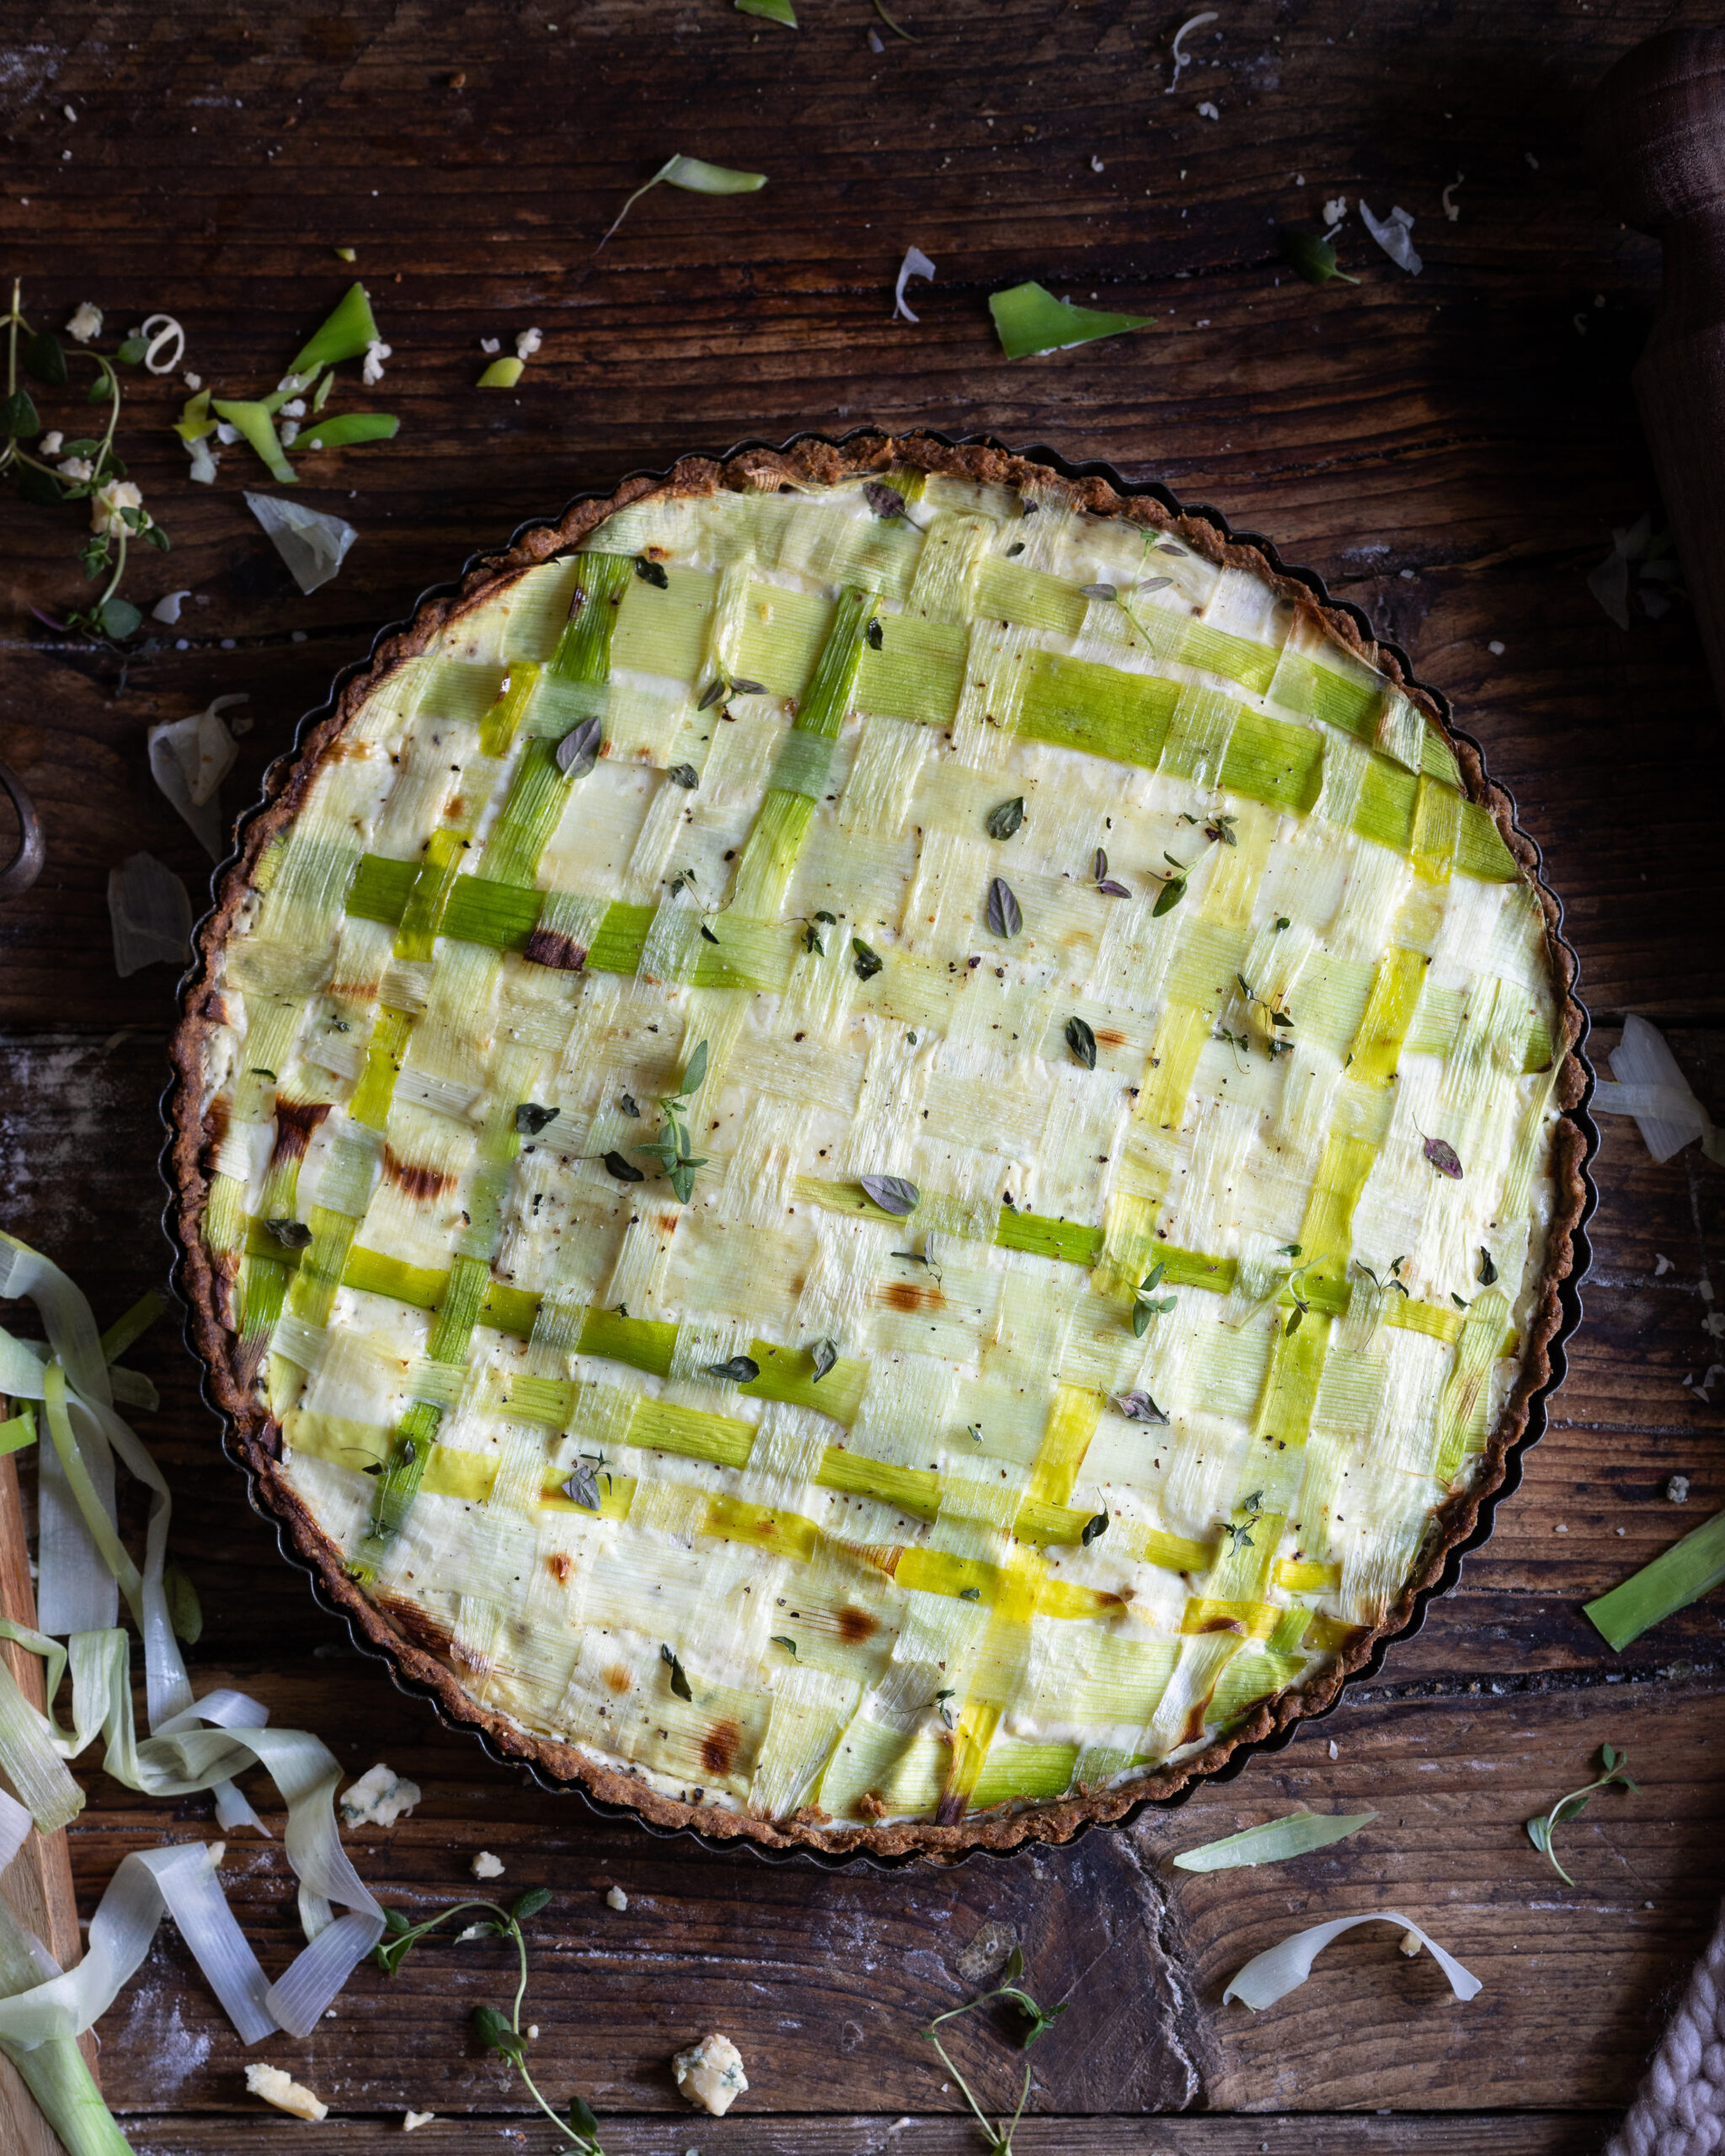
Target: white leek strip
96	1518
189	760
1272	1975
915	263
15	1824
1182	58
149	913
54	2071
1273	1841
33	1764
1652	1089
313	544
66	1317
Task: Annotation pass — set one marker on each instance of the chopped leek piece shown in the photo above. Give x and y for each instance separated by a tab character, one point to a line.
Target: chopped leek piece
195	423
1273	1975
343	336
1273	1841
698	177
313	544
18	1431
501	374
133	1326
258	429
769	11
1678	1576
343	429
1029	320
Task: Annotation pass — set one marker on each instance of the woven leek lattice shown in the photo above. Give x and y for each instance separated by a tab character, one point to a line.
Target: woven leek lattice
1188	1140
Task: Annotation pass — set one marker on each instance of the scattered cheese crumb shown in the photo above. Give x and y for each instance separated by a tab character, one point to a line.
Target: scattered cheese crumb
284	2092
528	343
77	469
215	1852
109	505
371	367
193	381
1097	165
533	2032
417	2119
69	113
616	1899
473	1931
48	446
1560	1528
1662	1265
1452	210
1335	1749
1495	648
487	1866
1411	1944
710	2074
1335	209
1677	1489
489	345
1208	111
85	324
378	1799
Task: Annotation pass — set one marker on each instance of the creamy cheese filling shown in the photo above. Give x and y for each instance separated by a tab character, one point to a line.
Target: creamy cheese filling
1138	937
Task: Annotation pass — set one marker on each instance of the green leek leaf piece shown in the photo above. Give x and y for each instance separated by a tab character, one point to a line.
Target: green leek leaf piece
898	30
769	11
184	1608
1678	1576
258	429
1274	1841
343	429
133	1326
1310	257
502	374
18	1432
698	177
343	336
195	423
1029	320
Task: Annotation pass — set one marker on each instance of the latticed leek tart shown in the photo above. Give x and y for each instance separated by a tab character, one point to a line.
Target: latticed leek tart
873	1150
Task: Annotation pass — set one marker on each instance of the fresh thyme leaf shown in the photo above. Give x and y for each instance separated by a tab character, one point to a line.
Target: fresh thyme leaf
782	1640
869	963
1311	256
884	500
291	1234
578	751
1540	1831
530	1119
876	635
1081	1041
1098	591
1111	889
771	11
748	688
529	1904
711	694
1017	545
684	775
679	1682
629	1106
1282	922
891	1193
1004	918
1099	864
624	1170
826	1355
682	1178
1003	821
1222	828
969	1594
651	572
582	1487
1442	1156
494	2032
740	1369
1172	891
1139	1407
973	1430
941	1697
18	418
1457	1301
707	934
1094	1526
1488	1274
1153	1279
694	1071
812	943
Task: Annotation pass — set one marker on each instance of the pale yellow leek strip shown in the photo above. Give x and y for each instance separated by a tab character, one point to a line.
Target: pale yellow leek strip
1167	1080
1389	1012
1306	1575
1071	1425
83	1490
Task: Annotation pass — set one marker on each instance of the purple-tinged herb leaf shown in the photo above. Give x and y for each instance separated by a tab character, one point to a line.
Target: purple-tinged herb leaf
1004	918
884	500
1442	1156
579	750
1139	1407
1110	889
891	1193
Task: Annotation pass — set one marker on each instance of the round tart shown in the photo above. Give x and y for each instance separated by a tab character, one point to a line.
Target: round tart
874	1151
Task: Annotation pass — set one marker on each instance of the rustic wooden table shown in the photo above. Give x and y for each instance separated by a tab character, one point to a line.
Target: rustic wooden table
1452	451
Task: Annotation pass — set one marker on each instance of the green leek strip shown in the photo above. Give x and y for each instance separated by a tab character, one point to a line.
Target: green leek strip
1351	705
1385	809
17	1432
769	858
1437	824
318	1275
695	1433
1326	1233
263	1283
1031	599
1248	1679
370	1104
1074	1242
642	1343
1074	703
822	709
422	917
341	430
39	1777
1462	1410
622	938
1389	1012
1040	1524
787	1374
258	429
343	334
970	1747
133	1326
1290	1390
1480	850
912	1489
918	673
1023	1771
452	1330
101	1528
1273	760
498	725
1677	1577
583	651
537	796
54	2071
380	889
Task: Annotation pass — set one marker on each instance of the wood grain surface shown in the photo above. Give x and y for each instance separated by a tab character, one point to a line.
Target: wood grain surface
1452	453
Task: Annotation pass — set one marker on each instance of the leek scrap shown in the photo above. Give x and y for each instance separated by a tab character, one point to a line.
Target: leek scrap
133	1326
698	177
343	429
501	374
769	11
18	1431
1029	320
344	335
1273	1841
1272	1975
1678	1576
258	428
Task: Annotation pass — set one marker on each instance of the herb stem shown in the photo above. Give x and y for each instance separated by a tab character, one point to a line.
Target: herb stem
113	580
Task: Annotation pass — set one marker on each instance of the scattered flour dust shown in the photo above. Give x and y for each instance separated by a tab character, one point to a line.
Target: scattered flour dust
59	1100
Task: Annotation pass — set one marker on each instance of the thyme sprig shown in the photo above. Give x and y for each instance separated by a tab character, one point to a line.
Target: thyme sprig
1038	2021
671	1149
499	2032
89	469
1146	1304
1540	1831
